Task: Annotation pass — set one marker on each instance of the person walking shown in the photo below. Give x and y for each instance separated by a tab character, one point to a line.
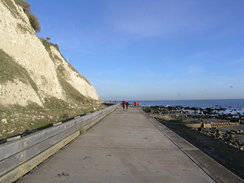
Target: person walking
123	104
127	104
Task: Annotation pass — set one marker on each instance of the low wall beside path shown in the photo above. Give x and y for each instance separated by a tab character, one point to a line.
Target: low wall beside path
20	156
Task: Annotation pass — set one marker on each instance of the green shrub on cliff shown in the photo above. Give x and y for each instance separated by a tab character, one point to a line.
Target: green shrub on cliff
34	22
32	18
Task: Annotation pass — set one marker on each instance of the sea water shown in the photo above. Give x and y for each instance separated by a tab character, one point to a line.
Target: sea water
230	104
224	103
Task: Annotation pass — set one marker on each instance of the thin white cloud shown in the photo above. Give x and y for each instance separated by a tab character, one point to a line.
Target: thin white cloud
158	18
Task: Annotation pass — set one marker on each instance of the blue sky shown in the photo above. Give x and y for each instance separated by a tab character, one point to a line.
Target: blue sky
150	49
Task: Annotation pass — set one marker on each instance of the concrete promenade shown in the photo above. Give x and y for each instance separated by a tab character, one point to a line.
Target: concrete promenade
127	146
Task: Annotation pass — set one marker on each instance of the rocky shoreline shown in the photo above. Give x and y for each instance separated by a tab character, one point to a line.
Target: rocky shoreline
228	128
223	144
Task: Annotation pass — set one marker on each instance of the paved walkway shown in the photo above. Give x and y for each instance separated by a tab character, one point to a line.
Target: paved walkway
129	147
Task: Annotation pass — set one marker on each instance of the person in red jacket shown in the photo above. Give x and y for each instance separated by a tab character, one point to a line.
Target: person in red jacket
123	104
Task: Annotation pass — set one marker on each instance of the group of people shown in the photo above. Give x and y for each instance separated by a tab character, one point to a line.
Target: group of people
125	104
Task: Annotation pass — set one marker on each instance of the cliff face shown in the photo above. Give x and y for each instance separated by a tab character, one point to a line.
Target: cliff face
33	73
19	41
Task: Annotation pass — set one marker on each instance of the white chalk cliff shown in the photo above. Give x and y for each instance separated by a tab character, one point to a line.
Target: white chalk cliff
44	72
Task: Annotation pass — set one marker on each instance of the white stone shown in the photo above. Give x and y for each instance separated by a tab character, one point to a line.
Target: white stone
5	121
